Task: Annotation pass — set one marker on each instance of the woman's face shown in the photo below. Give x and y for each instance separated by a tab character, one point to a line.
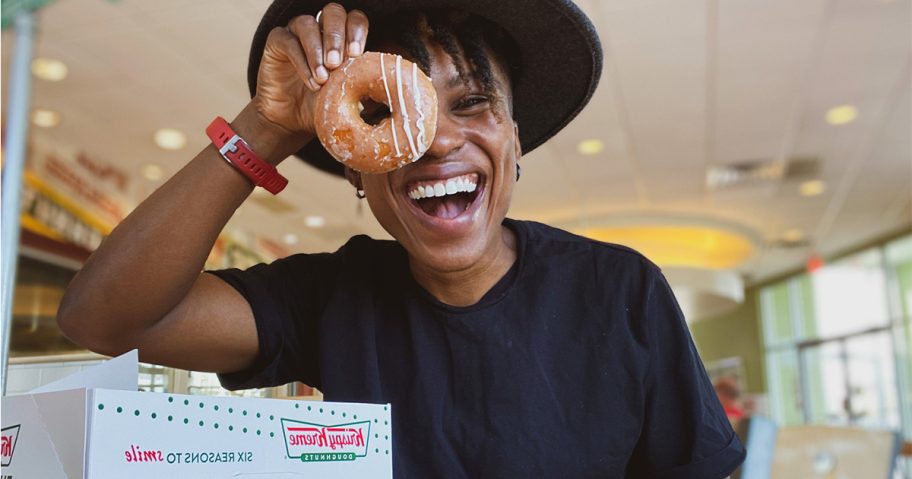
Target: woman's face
477	143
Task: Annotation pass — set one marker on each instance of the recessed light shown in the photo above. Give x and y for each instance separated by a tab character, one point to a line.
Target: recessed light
841	115
45	118
170	139
49	69
793	235
314	221
812	188
290	239
590	147
153	172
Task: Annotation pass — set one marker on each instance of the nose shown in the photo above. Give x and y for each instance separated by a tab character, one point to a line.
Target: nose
448	139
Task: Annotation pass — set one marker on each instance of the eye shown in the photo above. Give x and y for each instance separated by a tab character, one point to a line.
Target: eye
472	102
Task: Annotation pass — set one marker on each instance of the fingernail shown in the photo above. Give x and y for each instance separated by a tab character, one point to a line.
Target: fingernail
354	49
322	74
333	58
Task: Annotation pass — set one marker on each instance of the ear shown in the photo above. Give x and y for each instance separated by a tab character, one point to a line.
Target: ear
516	143
354	178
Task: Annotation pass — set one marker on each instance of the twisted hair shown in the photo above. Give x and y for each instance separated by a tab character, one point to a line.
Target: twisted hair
467	39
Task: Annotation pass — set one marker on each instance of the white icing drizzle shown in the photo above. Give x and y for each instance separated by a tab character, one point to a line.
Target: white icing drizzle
345	71
419	123
389	101
405	120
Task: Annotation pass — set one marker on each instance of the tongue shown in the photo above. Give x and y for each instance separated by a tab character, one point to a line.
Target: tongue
447	207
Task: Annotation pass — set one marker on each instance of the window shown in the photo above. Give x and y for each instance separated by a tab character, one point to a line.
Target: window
898	258
850	295
153	378
838	342
207	384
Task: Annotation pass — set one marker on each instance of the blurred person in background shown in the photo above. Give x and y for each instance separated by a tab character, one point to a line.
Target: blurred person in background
729	395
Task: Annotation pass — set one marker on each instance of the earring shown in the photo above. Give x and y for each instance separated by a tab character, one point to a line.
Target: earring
359	193
518	172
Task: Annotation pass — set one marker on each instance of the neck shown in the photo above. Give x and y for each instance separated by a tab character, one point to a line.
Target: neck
466	287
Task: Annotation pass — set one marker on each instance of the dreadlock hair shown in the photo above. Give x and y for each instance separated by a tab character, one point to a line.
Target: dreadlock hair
468	40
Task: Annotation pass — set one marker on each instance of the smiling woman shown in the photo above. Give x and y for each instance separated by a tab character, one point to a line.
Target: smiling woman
493	339
476	145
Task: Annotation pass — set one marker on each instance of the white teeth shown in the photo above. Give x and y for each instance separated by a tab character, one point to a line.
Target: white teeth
450	187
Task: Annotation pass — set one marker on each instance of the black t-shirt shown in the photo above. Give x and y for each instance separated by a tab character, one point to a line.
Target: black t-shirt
576	364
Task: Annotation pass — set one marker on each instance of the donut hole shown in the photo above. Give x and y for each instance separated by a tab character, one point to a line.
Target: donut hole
373	112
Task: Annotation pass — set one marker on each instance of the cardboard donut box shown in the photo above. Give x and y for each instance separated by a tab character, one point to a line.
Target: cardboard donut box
61	431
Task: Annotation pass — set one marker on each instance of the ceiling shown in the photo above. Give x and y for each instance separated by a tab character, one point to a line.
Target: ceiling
687	85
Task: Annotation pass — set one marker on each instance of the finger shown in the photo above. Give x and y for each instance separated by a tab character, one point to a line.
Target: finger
288	45
333	25
356	32
307	31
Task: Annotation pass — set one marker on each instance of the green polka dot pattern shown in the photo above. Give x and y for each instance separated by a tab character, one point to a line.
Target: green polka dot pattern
219	412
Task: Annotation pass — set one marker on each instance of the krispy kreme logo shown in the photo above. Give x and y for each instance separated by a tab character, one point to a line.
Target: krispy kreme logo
310	442
8	443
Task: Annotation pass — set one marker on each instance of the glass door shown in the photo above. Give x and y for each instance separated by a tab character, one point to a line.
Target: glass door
851	381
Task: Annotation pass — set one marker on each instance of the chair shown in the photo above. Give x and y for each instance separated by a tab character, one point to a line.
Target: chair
808	452
805	452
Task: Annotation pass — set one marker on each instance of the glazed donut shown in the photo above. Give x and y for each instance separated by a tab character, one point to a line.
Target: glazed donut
395	141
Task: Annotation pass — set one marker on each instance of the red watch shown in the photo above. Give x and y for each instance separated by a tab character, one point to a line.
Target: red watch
238	154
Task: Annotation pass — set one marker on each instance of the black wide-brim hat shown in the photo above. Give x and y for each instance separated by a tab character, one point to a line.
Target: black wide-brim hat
560	64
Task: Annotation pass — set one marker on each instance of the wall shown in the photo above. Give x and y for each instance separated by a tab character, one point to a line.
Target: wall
735	334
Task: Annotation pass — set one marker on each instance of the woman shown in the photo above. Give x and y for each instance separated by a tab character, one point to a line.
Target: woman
506	348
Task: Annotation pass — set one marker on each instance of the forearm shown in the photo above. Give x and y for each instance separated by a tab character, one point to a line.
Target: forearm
151	260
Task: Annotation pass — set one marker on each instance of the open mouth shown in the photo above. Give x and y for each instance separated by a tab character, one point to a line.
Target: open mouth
445	198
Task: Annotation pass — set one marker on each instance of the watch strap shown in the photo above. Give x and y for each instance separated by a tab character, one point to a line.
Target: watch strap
238	154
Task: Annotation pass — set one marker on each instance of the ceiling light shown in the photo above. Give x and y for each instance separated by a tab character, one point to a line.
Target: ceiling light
49	69
683	246
841	115
590	147
793	235
45	118
812	188
153	172
170	139
314	221
290	239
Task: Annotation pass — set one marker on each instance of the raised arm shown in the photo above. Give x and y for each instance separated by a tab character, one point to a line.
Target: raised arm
143	287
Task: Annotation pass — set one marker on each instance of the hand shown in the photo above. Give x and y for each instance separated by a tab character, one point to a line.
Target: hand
297	60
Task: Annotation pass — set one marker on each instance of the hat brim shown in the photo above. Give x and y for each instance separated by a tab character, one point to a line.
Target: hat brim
561	58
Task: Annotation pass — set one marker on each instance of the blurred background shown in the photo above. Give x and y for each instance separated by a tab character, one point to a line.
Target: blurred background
760	151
